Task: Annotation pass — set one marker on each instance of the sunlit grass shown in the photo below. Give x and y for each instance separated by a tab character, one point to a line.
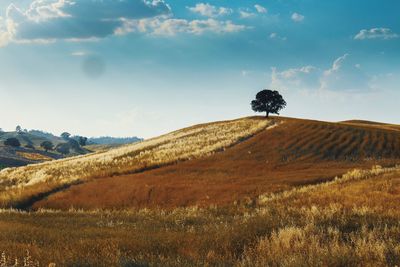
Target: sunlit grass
20	183
352	221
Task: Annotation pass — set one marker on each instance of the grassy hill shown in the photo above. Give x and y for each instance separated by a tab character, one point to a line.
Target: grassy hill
248	192
30	151
293	153
185	144
254	156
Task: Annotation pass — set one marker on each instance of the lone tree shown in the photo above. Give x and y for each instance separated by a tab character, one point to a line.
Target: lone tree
268	101
14	142
47	145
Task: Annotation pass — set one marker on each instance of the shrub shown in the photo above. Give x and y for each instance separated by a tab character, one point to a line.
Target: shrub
13	142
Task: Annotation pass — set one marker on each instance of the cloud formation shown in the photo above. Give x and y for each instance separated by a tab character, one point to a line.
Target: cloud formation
245	14
208	10
171	27
376	33
260	9
47	20
295	78
341	76
79	20
296	17
276	36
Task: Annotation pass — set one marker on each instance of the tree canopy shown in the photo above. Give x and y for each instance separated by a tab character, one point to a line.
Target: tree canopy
65	135
14	142
268	101
47	145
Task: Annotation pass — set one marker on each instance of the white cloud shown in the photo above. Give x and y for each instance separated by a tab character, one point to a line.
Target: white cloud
342	76
45	21
376	33
296	17
171	27
294	78
276	36
260	9
78	54
337	64
245	14
208	10
5	34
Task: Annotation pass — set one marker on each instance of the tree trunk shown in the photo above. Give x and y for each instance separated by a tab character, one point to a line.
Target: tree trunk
267	114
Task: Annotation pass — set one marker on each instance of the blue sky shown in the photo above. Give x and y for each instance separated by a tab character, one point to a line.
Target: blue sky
135	67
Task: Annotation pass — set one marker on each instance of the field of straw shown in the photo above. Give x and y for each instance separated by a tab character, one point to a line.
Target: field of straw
351	221
18	184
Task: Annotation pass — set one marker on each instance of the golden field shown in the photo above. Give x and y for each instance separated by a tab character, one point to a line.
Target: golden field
193	142
248	192
352	221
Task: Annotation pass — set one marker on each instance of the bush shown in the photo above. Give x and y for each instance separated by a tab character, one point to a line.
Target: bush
63	148
14	142
47	145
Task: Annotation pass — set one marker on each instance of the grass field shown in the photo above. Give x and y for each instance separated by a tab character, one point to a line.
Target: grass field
292	154
352	221
18	185
248	192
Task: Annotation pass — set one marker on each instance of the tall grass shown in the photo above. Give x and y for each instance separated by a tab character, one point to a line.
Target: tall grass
353	221
193	142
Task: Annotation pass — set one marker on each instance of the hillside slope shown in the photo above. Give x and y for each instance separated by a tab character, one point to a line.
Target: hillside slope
193	142
294	153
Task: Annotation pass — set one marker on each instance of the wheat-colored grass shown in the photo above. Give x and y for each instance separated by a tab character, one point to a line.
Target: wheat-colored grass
181	145
352	221
34	156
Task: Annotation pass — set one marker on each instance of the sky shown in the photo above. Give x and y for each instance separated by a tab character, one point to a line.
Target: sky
147	67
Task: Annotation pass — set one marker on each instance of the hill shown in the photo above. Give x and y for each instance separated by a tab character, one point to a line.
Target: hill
253	159
30	151
108	140
295	152
189	143
256	193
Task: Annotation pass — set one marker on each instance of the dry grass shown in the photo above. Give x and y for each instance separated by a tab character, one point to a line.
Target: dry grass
352	220
180	145
34	156
193	142
296	153
283	230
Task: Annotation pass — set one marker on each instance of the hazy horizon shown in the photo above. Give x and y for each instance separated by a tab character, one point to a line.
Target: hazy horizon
135	68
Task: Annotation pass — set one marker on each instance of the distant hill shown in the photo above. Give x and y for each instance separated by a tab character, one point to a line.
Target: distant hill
30	150
108	140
